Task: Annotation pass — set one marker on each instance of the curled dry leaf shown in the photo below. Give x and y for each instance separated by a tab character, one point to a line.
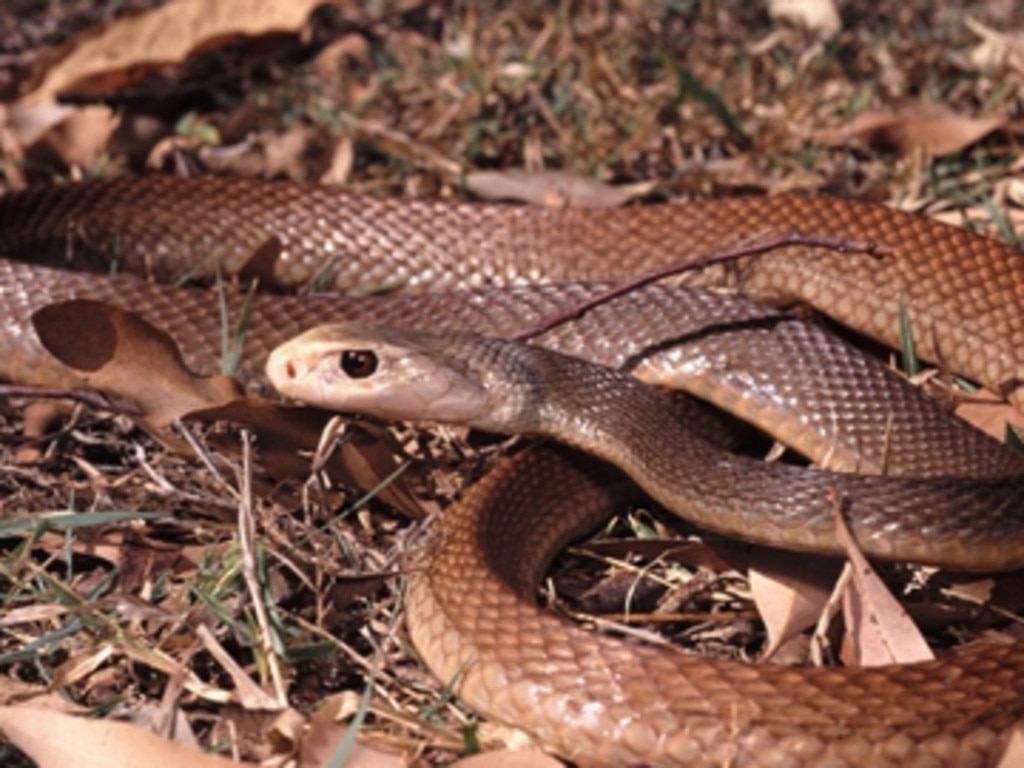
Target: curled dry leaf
553	188
997	50
78	140
161	37
119	353
266	154
930	128
817	16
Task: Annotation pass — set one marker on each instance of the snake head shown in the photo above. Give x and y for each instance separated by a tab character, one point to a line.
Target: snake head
391	374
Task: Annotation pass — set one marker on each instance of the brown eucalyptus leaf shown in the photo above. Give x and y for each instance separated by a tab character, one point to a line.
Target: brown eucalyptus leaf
118	53
931	128
997	50
118	352
817	16
878	629
329	725
790	591
554	189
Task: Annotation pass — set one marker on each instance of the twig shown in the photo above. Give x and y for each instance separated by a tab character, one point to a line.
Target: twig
89	397
752	248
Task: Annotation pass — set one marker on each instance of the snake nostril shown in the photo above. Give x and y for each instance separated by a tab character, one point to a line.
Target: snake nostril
289	370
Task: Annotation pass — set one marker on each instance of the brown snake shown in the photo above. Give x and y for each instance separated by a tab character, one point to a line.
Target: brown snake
964	295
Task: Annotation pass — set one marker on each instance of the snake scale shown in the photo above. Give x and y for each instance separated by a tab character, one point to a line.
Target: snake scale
963	293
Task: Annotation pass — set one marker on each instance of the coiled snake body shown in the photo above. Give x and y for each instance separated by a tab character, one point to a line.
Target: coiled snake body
593	698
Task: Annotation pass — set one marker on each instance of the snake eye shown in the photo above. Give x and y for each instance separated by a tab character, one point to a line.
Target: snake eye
359	363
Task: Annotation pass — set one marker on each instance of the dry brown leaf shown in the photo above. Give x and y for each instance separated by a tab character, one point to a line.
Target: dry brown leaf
930	128
78	140
119	353
77	668
24	124
878	629
1011	190
997	50
38	418
351	47
554	189
817	16
990	414
327	729
343	158
55	740
509	758
790	592
165	35
143	560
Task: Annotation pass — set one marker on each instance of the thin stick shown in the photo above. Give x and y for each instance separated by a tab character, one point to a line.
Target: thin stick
752	248
89	397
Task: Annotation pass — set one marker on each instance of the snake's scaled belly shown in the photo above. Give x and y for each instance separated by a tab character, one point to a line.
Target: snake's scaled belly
964	295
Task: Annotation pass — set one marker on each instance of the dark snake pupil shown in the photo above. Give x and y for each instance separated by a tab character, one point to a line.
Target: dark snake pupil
358	363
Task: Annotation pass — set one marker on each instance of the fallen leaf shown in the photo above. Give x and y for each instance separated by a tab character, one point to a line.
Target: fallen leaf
790	592
343	158
266	154
990	414
161	37
817	16
55	740
930	128
553	188
997	50
329	726
38	417
119	353
878	629
78	139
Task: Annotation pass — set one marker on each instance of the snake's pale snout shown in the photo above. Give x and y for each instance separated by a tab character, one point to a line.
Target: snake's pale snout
284	369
